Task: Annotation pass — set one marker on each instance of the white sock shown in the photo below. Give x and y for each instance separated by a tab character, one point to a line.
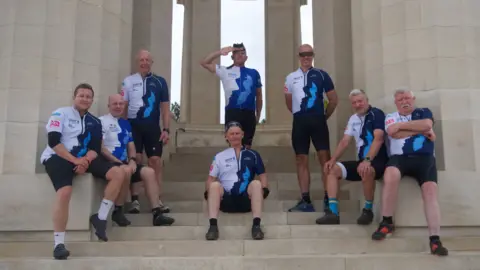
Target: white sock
59	238
105	207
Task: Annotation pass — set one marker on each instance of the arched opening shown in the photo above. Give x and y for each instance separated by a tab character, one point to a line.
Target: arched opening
244	21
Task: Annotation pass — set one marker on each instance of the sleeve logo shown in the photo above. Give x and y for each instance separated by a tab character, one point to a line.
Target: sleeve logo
285	88
54	123
390	121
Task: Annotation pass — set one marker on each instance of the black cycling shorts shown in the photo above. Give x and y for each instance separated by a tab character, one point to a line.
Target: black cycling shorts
136	177
247	119
61	171
235	203
350	173
422	167
146	135
310	127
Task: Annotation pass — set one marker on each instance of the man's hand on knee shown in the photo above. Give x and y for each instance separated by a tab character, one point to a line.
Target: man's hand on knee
365	169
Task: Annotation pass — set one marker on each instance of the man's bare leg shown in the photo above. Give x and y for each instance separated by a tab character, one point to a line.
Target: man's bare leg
147	175
118	215
324	157
156	164
332	217
432	214
368	182
215	194
391	181
255	192
60	218
303	176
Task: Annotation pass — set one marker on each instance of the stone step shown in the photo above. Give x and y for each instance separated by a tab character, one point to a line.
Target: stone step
390	261
269	205
280	218
235	232
268	247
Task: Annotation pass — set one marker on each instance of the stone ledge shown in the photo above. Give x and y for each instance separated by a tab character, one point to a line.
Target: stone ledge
456	194
26	202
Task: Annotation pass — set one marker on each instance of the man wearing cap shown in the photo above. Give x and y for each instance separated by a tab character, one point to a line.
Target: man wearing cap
243	89
231	186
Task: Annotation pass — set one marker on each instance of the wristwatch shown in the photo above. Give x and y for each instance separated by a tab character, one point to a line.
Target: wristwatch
132	158
367	159
166	130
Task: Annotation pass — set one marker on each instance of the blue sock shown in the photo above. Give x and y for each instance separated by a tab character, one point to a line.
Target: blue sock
333	203
368	204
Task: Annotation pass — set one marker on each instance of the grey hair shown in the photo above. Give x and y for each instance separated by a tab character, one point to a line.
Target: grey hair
403	90
356	92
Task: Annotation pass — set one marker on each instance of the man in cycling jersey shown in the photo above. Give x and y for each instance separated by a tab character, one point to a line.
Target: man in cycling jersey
231	187
243	89
304	95
411	146
367	126
74	143
146	99
118	148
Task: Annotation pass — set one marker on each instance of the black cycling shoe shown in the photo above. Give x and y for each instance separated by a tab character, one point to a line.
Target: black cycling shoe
212	233
366	217
437	248
120	218
160	220
257	233
100	227
328	219
384	230
60	252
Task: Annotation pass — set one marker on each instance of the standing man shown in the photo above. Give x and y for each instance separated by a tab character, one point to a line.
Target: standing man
243	89
304	90
367	126
74	143
412	153
146	97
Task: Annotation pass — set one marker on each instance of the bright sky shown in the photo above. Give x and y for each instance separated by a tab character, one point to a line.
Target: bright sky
251	32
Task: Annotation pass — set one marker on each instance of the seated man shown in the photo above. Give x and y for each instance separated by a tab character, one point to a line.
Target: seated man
411	144
367	127
118	149
74	141
231	186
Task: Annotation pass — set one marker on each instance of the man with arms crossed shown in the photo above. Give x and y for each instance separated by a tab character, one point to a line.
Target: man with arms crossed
74	142
118	149
304	89
231	187
146	95
243	89
411	144
367	126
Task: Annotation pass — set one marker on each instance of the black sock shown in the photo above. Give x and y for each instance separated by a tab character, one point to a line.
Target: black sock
325	200
306	197
213	222
134	198
156	211
388	220
118	208
434	238
256	221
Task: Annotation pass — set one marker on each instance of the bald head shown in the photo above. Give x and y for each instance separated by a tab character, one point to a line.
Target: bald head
144	61
116	105
305	48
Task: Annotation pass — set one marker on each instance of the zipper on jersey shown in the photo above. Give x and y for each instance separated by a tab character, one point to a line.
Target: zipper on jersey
238	159
144	85
305	78
82	122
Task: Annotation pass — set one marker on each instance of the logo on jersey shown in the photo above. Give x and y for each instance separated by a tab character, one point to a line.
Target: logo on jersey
390	121
122	92
54	123
285	88
56	114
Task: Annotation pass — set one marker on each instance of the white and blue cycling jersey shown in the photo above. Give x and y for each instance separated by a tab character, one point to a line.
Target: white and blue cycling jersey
235	174
78	133
240	85
362	128
144	96
413	145
308	89
117	133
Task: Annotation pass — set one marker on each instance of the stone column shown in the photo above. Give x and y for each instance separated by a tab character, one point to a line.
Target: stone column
46	50
432	47
282	30
200	88
332	33
152	30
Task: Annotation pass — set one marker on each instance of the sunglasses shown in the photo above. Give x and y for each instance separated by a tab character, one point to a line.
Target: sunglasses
305	54
232	124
